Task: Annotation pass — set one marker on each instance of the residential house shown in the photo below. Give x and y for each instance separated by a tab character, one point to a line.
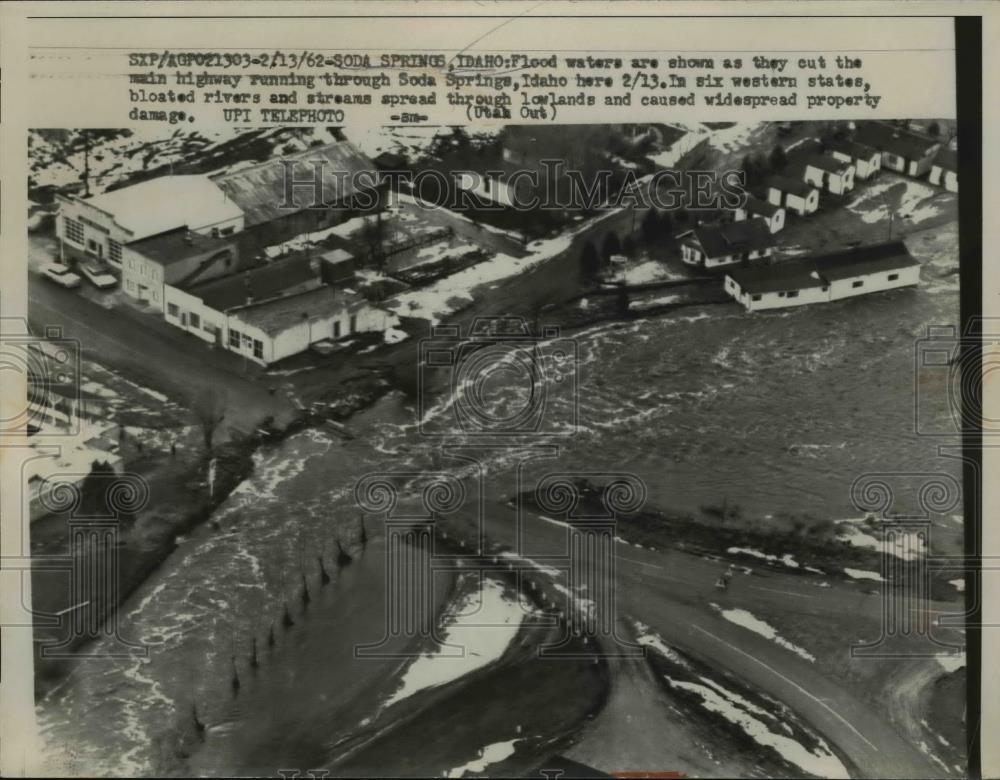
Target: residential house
178	257
732	243
903	151
792	194
831	277
102	224
867	160
773	216
829	173
944	171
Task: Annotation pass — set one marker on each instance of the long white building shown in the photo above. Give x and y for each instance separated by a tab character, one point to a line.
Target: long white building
831	277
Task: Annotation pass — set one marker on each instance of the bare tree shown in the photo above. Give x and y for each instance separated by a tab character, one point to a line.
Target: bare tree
208	408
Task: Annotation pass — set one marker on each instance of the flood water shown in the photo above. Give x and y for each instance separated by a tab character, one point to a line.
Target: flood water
776	412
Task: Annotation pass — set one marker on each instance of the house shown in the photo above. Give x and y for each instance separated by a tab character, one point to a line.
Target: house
773	216
176	257
831	277
712	246
903	151
867	160
315	189
337	266
792	194
944	171
102	224
829	173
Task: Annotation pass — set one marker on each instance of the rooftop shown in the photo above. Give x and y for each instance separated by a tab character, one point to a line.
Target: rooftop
794	186
282	277
947	158
828	164
762	207
279	314
896	140
260	190
733	237
857	151
820	271
166	203
866	259
176	245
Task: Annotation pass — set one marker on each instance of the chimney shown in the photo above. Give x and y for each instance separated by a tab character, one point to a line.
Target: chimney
189	238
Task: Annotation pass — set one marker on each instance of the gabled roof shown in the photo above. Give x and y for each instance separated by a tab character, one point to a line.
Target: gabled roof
895	140
821	271
260	191
733	237
794	186
167	203
875	258
828	164
947	159
855	150
762	207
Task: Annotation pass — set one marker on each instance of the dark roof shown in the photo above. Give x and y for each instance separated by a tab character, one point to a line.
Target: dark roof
780	277
762	207
260	191
888	138
829	164
820	271
794	186
177	245
856	151
947	158
867	259
273	279
733	237
278	314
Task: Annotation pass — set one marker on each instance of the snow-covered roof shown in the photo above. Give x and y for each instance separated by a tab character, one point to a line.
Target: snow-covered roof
167	203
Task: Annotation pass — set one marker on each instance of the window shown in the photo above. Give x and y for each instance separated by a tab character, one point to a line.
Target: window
227	231
258	349
336	330
129	285
793	294
857	284
235	338
195	320
824	288
73	230
354	323
781	295
172	309
893	277
755	297
114	250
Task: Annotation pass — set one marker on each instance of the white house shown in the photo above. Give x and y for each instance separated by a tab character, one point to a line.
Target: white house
773	216
867	160
102	224
902	150
731	243
832	277
793	195
829	173
944	171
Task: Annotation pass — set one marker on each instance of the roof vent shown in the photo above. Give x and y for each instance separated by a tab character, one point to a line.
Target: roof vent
189	238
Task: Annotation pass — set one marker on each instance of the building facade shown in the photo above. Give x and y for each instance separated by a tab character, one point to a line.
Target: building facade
792	195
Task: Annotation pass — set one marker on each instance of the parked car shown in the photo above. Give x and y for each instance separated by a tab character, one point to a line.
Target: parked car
61	275
98	276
